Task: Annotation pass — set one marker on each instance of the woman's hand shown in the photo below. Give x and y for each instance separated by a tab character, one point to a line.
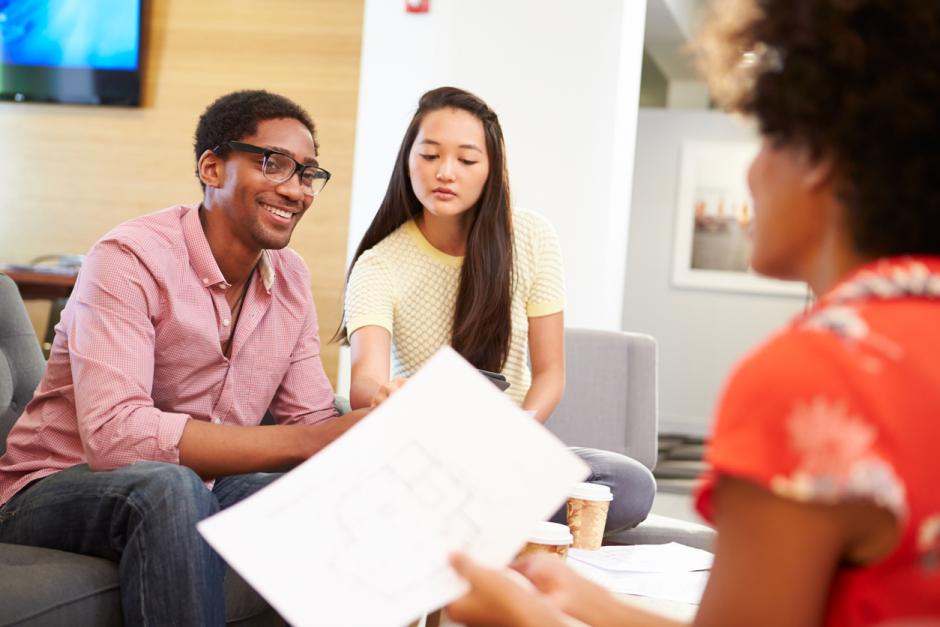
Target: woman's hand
560	597
566	590
499	599
387	389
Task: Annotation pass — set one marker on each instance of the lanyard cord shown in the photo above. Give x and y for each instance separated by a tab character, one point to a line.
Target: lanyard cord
237	311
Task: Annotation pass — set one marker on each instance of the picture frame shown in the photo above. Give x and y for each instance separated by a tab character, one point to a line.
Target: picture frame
714	212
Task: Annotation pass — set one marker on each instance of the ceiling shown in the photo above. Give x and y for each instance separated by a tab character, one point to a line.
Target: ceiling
669	24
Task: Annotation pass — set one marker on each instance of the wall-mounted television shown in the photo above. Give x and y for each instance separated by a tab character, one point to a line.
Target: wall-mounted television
70	51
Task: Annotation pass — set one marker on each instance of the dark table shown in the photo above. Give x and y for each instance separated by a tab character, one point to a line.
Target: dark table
41	285
37	283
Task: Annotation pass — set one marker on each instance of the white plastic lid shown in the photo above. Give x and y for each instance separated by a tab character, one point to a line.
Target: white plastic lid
551	533
591	492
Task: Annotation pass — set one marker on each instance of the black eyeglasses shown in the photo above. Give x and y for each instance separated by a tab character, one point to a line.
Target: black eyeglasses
279	167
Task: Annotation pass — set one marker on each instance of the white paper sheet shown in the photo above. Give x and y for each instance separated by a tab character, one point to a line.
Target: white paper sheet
359	534
684	587
673	571
646	558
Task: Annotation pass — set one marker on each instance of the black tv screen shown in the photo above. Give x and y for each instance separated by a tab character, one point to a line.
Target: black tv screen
72	51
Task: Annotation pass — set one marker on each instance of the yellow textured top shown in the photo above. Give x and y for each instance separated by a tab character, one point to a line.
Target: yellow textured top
405	285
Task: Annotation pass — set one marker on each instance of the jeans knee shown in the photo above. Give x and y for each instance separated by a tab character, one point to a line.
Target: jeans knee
622	473
172	488
637	481
645	481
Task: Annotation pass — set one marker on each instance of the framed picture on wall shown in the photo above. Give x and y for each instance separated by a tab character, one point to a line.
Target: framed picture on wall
714	213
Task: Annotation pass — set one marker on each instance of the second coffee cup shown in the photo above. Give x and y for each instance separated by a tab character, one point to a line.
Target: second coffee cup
587	514
548	537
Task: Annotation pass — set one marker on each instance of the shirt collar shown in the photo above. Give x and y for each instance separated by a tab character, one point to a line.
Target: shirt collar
889	278
266	270
203	261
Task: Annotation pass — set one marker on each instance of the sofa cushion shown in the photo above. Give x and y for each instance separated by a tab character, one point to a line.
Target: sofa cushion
48	587
22	362
42	587
244	606
658	529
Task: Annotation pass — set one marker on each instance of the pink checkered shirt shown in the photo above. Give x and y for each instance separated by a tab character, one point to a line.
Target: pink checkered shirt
138	353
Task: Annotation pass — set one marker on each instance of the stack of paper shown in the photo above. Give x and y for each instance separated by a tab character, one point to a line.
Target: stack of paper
359	534
664	571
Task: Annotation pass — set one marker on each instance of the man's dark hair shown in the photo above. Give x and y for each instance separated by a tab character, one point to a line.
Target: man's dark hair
855	81
236	115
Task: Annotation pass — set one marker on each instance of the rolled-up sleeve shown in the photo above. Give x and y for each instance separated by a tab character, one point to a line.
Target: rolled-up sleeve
111	348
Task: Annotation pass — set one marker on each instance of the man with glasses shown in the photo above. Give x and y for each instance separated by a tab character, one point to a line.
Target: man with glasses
184	328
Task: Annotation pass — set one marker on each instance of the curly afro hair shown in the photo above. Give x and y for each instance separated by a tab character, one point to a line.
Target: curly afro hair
236	115
857	81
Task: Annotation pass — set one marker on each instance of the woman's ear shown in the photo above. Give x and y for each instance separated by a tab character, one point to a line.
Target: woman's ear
819	171
211	169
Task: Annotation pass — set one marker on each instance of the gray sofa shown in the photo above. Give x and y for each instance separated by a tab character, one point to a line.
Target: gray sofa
611	402
40	587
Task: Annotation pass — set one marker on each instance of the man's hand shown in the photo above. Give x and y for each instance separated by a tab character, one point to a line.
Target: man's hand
499	599
318	436
387	389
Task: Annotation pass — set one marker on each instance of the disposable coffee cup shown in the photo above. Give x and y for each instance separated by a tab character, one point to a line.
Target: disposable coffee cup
548	537
587	514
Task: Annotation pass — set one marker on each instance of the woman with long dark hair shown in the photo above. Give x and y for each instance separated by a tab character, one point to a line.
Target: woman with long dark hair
823	462
447	260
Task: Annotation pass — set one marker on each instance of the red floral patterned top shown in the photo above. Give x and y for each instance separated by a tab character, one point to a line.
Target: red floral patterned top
845	404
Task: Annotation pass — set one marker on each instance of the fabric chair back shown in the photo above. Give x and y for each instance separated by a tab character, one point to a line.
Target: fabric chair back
611	394
21	361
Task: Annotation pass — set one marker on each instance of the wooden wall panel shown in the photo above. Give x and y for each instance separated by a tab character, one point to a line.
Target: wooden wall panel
70	173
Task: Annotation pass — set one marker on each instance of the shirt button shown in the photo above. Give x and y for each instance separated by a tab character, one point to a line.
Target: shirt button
205	281
217	421
226	322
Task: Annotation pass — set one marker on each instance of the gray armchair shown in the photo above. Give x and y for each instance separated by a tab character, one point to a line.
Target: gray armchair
40	586
610	403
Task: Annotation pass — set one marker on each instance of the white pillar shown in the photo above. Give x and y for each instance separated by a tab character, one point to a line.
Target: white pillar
564	79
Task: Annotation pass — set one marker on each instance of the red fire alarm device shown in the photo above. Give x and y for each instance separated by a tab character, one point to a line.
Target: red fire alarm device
417	6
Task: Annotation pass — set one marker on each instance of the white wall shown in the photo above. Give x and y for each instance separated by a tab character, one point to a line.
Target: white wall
701	333
564	79
691	94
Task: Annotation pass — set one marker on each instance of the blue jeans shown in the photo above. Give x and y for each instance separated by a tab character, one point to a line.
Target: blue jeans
143	517
631	483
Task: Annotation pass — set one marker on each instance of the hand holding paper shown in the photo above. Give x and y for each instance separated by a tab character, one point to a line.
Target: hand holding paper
360	533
